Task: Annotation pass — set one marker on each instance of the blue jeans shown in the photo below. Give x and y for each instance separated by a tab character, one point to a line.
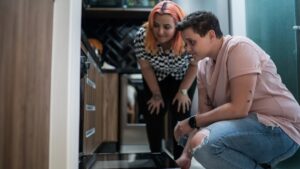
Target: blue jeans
244	144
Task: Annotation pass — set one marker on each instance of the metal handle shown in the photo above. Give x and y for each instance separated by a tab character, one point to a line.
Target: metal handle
90	132
296	27
89	107
90	83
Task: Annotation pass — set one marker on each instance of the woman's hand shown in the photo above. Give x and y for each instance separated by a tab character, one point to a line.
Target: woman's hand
182	128
183	100
154	103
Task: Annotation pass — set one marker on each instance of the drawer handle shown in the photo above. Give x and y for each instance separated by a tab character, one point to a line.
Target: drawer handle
90	132
89	107
296	27
90	83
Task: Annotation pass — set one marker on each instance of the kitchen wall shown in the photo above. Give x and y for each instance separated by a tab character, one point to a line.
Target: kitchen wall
65	80
218	7
231	13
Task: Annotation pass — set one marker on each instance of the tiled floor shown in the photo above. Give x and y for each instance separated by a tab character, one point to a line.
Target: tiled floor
145	148
196	165
133	161
292	163
135	148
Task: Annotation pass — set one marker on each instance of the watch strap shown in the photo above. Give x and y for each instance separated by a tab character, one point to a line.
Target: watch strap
192	122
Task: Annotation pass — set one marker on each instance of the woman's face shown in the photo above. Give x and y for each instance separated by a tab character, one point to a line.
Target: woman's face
163	28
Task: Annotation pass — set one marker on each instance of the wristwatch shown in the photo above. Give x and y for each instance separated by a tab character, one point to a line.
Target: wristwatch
183	92
192	122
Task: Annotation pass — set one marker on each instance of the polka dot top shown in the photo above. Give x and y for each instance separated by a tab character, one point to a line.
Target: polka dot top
164	63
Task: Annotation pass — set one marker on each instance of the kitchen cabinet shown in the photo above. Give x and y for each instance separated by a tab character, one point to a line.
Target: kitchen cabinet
25	73
277	33
99	102
115	28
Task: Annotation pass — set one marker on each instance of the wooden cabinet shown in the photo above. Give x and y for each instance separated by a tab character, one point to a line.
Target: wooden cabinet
108	103
89	140
25	73
99	106
115	28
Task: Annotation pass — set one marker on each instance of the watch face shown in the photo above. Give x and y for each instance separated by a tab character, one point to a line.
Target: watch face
192	122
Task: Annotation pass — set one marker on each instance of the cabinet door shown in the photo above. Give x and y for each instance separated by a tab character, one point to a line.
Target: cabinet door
100	115
25	71
271	24
90	142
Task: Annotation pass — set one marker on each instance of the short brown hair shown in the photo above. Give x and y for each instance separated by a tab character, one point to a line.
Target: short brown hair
201	22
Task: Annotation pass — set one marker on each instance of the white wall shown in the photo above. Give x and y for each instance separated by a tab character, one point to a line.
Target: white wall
218	7
64	110
231	13
238	17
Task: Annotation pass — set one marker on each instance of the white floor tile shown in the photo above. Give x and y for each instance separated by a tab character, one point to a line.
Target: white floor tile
135	148
196	165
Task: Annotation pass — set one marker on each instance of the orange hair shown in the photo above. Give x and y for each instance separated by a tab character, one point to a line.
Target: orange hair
164	7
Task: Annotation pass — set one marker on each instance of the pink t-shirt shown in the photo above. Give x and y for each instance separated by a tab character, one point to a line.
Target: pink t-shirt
273	102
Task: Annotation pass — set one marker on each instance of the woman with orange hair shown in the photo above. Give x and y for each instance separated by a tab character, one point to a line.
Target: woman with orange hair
168	73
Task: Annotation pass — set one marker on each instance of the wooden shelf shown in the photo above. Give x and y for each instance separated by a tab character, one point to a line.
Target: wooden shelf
118	9
116	13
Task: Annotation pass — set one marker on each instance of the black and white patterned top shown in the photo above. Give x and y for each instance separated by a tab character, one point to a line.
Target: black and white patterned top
164	63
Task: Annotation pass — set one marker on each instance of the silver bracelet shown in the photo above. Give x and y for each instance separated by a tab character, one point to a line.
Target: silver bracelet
156	96
183	92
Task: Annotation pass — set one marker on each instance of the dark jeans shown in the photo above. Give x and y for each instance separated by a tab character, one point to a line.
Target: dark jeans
155	123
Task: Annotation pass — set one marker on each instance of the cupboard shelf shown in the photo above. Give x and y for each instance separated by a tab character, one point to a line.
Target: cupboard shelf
116	13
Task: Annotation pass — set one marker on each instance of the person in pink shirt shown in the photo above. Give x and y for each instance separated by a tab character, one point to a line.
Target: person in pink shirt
247	118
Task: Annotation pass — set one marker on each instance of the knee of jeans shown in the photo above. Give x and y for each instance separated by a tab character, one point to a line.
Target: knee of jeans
199	139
